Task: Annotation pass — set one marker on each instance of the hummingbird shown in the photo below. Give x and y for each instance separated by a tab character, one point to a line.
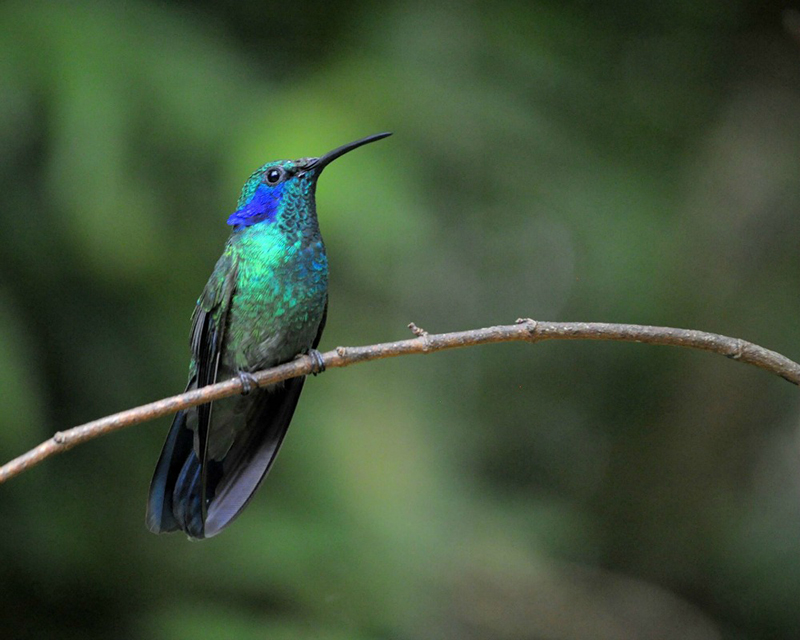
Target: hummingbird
265	304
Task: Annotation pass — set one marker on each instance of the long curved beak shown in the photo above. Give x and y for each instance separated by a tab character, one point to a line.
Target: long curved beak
320	163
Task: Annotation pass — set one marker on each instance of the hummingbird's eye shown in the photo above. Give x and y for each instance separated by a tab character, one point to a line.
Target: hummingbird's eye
274	176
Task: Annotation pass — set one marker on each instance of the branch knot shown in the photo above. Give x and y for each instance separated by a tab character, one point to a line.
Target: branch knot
531	327
422	335
738	351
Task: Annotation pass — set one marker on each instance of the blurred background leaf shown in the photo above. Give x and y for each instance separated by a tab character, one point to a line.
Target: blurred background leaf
617	161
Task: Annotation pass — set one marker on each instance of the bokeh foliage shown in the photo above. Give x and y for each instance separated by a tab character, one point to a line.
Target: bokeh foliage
617	161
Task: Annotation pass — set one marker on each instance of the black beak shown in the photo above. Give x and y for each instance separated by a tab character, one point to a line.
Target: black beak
320	163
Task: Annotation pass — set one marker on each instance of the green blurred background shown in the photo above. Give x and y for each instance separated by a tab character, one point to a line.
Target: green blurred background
612	161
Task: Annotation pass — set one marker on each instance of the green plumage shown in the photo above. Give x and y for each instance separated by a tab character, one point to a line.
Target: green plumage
271	289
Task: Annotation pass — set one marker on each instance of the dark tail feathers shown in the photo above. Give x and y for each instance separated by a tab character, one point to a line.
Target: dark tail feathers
175	502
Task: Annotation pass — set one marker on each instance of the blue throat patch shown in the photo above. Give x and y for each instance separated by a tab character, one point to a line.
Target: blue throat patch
263	206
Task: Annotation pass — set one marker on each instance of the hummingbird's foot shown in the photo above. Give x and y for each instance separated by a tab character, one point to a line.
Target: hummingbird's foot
319	363
248	382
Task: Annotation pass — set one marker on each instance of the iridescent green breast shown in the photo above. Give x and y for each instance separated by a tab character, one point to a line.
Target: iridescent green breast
279	299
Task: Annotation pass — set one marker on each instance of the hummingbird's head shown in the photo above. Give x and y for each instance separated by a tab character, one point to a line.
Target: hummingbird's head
285	188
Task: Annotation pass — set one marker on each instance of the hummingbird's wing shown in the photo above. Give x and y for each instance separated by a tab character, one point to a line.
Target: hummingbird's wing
180	478
208	333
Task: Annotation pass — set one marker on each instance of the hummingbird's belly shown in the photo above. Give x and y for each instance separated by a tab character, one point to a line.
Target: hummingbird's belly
276	345
276	312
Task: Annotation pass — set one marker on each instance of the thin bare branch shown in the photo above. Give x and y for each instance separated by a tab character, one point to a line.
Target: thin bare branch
525	330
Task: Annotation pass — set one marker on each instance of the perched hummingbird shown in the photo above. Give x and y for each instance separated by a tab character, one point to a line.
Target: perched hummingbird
264	305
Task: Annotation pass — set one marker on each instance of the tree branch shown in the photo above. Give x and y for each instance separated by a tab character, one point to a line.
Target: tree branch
525	330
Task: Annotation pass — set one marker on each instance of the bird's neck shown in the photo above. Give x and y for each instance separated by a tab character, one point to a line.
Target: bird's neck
292	224
297	218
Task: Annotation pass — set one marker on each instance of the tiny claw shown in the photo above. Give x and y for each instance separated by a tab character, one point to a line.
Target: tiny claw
248	382
318	363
